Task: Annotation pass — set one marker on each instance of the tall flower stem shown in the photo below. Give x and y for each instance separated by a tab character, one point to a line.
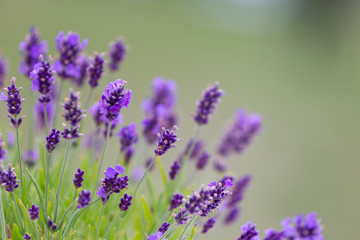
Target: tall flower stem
19	156
2	216
18	214
99	223
37	232
45	120
102	154
89	98
75	194
61	178
57	102
31	122
171	228
143	177
47	179
187	226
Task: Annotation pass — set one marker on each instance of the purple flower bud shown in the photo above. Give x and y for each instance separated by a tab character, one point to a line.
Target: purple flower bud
207	104
79	178
271	234
306	227
128	153
202	160
34	212
30	157
8	179
73	113
114	98
84	199
220	165
208	225
3	71
96	69
156	236
249	232
13	100
69	48
52	140
51	224
125	202
239	189
175	168
42	80
128	136
70	133
27	236
176	201
164	227
182	217
167	140
117	53
30	50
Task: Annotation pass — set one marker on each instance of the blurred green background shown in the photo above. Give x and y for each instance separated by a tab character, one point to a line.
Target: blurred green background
295	62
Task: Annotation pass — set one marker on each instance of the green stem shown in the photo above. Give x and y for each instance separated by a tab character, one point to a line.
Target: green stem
3	223
37	232
102	155
19	156
18	215
47	180
170	229
57	102
88	99
75	194
31	123
45	120
112	224
61	178
99	223
142	179
189	223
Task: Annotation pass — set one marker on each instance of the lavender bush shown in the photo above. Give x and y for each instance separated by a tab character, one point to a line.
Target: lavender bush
49	199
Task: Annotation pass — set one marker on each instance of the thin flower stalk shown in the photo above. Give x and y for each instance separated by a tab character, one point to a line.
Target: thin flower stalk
143	177
18	214
2	216
187	226
99	223
19	157
47	179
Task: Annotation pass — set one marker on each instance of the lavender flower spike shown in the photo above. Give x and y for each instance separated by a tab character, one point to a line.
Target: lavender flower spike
164	227
27	236
79	178
52	140
96	69
249	232
117	53
2	151
207	104
208	225
114	98
128	136
175	168
84	199
34	212
167	140
3	70
73	114
30	50
125	202
176	201
8	179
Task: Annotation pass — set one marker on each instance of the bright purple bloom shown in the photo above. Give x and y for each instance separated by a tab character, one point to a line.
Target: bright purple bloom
43	79
3	71
125	202
34	212
13	100
8	179
271	234
240	134
182	217
51	224
79	178
96	69
69	48
70	133
176	201
175	168
303	228
208	225
73	113
249	232
202	160
30	157
82	65
207	104
167	140
156	236
117	52
84	199
164	227
27	236
30	50
52	140
128	136
114	98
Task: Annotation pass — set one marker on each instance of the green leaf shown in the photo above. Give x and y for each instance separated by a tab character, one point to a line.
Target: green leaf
146	210
192	233
15	232
162	172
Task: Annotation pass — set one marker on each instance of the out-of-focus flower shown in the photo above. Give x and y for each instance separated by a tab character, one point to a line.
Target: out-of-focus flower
167	140
271	234
27	236
30	157
3	71
249	232
117	53
176	201
10	139
96	69
202	160
84	199
208	225
82	72
174	170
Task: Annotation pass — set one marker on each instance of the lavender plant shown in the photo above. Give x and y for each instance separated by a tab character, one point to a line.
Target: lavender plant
55	199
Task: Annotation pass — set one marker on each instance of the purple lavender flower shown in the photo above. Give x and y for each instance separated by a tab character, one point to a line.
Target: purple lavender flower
232	215
114	98
70	133
117	53
30	157
2	151
95	111
73	113
3	71
207	104
13	100
182	217
42	79
196	150
8	179
84	199
220	165
208	225
34	212
125	202
79	178
240	134
239	189
271	234
128	136
96	69
69	48
52	140
159	108
10	139
82	65
176	201
202	160
175	168
30	50
156	236
306	227
249	232
51	224
129	152
27	236
167	140
164	227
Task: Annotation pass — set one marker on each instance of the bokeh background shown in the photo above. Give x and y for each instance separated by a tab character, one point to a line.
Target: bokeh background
295	62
